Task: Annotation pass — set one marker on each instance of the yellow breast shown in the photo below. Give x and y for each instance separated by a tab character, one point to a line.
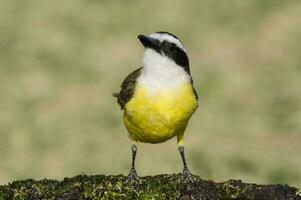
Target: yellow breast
155	117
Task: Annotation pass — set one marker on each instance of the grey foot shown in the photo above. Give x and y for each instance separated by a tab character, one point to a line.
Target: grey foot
132	177
186	176
188	180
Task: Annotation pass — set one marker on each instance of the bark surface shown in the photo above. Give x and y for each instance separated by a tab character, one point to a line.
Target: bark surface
150	187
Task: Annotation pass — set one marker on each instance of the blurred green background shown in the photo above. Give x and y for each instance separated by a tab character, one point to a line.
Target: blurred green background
60	61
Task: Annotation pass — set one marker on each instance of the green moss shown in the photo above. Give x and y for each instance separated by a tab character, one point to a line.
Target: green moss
159	187
234	190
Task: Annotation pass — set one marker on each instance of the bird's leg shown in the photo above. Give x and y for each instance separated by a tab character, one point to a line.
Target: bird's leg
132	177
186	173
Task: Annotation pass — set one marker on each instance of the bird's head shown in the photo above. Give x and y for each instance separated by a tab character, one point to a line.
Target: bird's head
163	48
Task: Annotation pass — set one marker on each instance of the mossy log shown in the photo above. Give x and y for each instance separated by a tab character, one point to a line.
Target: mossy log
150	187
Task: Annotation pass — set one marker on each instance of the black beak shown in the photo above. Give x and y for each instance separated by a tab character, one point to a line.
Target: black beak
149	42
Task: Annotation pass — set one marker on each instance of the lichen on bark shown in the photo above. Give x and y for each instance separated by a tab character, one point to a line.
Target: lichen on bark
158	187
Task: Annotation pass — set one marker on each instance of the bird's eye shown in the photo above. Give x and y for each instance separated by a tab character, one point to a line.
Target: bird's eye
172	47
169	46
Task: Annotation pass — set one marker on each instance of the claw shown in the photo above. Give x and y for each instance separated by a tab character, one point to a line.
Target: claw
188	180
132	177
187	175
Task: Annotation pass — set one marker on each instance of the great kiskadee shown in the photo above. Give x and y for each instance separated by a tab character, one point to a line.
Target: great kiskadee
158	99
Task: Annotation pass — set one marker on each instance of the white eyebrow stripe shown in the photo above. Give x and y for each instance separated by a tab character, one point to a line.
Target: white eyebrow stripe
161	37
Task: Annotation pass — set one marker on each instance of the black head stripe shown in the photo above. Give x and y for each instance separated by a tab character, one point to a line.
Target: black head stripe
175	53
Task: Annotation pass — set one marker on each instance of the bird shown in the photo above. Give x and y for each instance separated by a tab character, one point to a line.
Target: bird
159	98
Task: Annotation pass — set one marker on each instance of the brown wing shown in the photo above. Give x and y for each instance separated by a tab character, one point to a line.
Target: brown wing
127	88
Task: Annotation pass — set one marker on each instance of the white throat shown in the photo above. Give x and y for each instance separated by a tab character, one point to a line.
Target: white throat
159	72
